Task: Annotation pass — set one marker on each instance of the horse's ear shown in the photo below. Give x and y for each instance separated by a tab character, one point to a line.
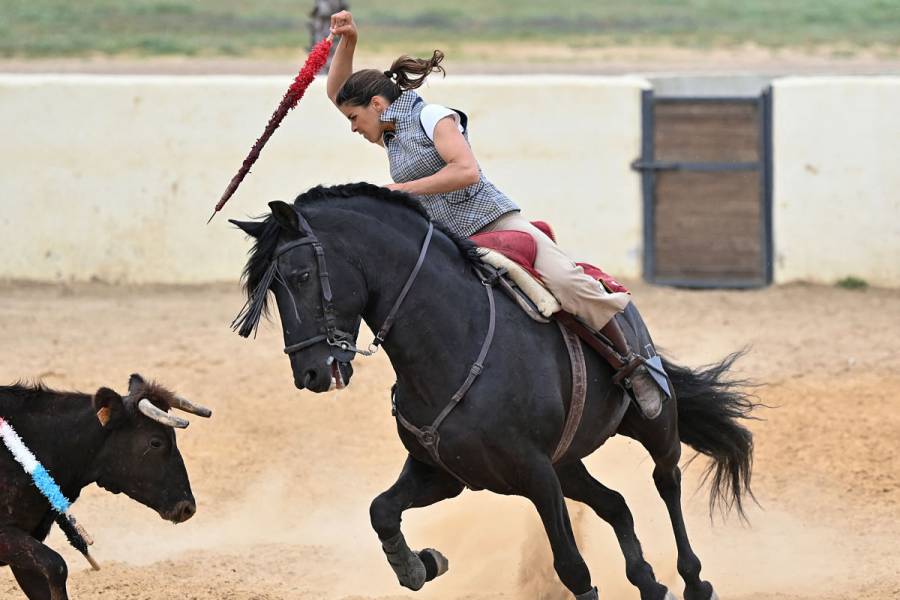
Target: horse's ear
252	228
285	215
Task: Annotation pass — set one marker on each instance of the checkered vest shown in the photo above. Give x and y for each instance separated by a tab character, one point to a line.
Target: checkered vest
412	155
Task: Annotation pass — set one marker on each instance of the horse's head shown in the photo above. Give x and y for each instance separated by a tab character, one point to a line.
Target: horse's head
319	302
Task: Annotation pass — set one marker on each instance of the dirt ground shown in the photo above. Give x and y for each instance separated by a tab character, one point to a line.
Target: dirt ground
283	478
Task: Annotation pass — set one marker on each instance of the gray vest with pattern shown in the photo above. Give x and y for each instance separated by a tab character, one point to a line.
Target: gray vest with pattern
412	155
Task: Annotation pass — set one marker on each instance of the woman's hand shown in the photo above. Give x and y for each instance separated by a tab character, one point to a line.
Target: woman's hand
342	24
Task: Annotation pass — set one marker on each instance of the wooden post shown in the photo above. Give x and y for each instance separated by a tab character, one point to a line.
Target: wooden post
320	23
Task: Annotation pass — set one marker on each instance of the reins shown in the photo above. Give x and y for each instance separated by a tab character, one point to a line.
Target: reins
247	320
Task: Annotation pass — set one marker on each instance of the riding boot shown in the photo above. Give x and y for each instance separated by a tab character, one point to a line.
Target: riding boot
646	392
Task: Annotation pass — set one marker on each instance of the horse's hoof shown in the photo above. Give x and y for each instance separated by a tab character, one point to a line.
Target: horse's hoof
436	564
407	565
714	596
411	573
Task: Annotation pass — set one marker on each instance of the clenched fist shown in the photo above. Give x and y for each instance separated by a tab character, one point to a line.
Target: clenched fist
342	24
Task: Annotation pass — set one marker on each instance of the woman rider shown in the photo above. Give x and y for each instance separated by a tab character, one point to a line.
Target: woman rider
430	158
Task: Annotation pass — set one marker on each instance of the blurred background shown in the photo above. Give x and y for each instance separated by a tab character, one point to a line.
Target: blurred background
733	163
495	32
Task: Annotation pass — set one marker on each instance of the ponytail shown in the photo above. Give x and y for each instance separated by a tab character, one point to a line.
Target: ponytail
405	66
406	73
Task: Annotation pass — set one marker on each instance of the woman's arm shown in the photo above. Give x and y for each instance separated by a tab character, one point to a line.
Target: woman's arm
461	169
342	63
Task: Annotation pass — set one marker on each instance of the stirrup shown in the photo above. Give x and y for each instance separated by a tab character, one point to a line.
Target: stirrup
650	402
622	375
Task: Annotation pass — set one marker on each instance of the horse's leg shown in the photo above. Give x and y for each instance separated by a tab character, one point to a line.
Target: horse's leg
24	554
610	506
660	438
418	485
542	487
32	583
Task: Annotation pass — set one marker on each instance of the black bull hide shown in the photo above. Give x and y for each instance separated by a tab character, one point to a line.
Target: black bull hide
81	439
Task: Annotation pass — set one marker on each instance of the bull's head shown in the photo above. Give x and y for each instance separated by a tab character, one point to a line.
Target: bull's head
139	457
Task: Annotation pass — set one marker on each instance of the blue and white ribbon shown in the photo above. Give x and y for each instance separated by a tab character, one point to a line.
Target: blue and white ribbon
76	535
42	479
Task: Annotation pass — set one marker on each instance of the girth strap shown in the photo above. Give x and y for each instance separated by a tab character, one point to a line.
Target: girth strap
579	392
429	437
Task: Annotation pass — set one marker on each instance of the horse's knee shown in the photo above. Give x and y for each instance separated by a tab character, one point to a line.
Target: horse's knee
385	517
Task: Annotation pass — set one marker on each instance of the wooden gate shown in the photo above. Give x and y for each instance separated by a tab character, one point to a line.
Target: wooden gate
706	178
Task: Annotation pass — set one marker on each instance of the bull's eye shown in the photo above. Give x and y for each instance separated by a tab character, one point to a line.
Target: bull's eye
156	443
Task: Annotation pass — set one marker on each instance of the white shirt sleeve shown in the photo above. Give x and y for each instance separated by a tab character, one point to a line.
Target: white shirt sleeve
432	113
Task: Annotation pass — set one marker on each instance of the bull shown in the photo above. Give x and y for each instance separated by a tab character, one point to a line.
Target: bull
123	444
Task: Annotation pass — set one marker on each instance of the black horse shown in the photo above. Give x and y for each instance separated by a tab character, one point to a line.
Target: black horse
502	433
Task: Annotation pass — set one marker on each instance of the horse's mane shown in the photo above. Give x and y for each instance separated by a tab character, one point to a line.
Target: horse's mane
261	254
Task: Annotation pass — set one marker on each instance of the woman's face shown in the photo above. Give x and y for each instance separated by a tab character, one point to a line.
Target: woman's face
365	120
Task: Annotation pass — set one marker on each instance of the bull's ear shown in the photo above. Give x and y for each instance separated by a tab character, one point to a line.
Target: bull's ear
135	382
109	408
285	215
252	228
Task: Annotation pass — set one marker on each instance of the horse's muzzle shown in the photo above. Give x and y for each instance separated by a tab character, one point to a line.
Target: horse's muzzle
333	375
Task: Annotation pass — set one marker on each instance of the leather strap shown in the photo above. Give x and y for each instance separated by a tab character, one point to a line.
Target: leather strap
579	392
603	348
389	321
429	436
332	335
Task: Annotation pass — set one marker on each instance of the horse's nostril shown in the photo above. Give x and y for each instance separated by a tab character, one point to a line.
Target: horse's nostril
183	511
187	511
309	378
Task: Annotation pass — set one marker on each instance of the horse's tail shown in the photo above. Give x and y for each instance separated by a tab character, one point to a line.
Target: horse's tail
709	409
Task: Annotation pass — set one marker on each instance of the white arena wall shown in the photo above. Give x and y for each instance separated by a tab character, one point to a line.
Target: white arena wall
113	177
836	204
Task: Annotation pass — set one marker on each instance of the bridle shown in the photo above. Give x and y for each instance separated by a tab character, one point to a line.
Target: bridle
330	334
344	343
345	349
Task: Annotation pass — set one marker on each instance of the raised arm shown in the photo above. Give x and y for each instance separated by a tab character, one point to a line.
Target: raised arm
342	64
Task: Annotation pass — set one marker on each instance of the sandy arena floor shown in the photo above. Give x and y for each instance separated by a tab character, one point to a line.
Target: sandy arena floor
283	479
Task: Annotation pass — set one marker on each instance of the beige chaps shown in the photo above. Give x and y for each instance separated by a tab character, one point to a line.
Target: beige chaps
577	292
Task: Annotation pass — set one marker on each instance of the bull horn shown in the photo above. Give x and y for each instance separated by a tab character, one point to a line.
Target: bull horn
189	407
160	416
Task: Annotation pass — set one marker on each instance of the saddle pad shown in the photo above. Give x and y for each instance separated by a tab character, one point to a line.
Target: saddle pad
521	248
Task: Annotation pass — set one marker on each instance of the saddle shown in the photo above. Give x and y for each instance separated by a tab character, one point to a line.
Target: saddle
514	253
511	254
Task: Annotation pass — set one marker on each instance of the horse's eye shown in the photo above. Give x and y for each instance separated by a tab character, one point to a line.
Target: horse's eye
156	443
304	277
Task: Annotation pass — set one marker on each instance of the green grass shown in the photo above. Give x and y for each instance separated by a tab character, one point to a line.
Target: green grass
232	27
852	283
